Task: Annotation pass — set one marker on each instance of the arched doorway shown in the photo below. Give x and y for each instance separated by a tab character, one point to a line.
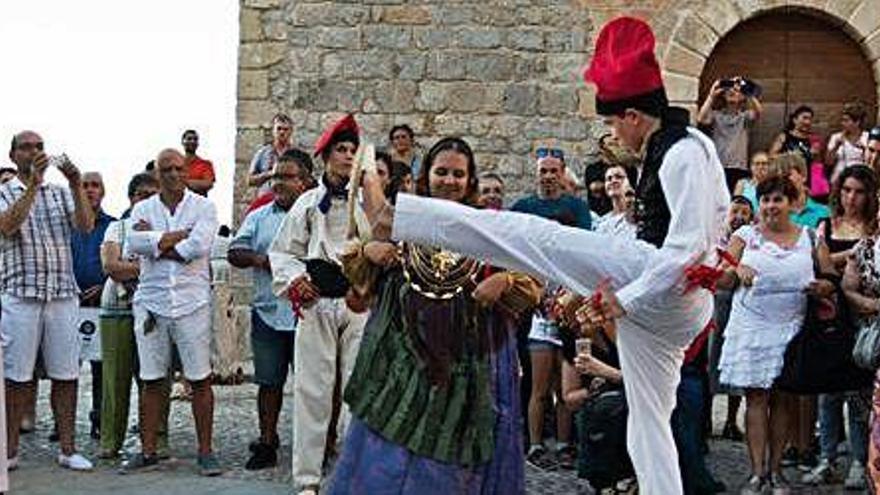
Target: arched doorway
798	58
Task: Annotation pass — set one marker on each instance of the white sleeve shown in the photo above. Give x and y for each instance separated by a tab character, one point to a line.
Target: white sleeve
695	196
290	245
201	238
572	257
142	242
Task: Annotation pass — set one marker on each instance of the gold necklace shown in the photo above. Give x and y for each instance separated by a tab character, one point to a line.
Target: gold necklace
436	273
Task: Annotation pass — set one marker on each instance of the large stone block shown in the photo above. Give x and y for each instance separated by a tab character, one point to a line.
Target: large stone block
338	37
493	66
405	14
432	97
720	15
682	60
565	67
261	4
253	113
446	65
557	100
530	66
696	35
521	99
391	97
329	14
250	26
565	41
430	38
681	88
260	55
842	8
253	84
479	37
528	39
452	14
866	18
475	97
446	124
409	66
387	36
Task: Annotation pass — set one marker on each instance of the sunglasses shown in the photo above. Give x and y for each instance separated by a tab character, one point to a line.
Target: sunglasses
554	152
30	146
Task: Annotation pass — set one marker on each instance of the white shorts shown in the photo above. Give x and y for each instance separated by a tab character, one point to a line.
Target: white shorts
192	335
29	325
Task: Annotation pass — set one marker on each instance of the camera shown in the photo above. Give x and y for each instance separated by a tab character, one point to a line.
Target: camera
746	86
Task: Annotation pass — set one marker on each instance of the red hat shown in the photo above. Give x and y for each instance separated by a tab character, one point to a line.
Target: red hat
625	69
345	129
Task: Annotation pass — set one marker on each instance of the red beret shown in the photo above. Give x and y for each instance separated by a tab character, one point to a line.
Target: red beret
625	70
345	125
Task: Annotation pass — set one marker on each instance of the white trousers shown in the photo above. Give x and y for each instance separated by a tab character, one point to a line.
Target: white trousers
650	355
327	341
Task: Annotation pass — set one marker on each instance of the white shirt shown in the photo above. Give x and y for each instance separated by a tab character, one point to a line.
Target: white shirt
306	233
848	154
649	281
167	287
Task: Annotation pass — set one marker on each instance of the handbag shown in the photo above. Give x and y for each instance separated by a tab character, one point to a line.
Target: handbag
866	351
819	359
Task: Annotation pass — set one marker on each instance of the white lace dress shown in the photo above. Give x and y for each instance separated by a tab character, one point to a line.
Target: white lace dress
766	316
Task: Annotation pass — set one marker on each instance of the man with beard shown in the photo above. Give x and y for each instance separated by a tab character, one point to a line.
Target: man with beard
39	292
551	201
305	261
643	285
273	322
199	172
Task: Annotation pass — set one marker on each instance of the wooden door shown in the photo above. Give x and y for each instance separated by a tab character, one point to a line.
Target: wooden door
798	60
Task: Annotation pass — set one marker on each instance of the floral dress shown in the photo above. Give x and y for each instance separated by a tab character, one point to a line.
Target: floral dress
865	254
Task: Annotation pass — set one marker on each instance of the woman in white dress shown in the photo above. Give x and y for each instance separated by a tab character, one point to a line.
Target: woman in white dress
775	274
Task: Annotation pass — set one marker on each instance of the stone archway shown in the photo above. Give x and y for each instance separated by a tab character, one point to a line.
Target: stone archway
685	53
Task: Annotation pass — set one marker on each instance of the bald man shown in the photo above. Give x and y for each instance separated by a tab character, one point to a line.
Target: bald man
90	277
172	233
38	291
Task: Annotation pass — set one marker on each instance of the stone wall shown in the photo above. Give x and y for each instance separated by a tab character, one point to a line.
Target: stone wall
504	74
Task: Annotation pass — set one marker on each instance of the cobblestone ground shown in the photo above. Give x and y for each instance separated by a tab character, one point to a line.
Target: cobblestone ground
234	427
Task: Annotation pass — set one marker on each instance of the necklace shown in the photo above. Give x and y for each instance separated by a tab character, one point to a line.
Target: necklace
436	273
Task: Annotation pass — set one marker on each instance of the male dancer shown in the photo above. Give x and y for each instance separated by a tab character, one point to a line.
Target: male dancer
682	201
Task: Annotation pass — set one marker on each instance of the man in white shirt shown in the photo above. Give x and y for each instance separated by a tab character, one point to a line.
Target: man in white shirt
173	232
314	232
682	206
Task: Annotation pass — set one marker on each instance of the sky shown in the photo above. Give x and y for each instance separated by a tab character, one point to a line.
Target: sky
112	82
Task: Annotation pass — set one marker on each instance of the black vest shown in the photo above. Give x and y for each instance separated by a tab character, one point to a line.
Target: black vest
652	211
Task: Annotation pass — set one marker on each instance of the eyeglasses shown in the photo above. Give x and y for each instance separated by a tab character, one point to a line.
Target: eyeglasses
30	146
554	152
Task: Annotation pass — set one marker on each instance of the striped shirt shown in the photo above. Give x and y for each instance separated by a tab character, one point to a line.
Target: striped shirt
37	262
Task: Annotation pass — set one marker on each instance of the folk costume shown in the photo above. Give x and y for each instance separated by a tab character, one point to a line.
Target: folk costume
435	390
681	207
309	242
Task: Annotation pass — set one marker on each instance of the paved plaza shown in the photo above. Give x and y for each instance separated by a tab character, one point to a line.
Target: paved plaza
235	426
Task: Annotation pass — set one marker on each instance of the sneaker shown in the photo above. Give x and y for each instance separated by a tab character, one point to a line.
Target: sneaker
541	458
754	486
208	465
75	462
732	432
139	463
567	457
779	485
789	457
264	457
807	462
855	478
823	474
309	490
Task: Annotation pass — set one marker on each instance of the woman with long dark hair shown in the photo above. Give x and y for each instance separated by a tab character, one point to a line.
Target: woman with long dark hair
853	217
798	136
434	393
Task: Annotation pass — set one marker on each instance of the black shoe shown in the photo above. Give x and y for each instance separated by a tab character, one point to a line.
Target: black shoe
53	437
789	457
732	432
275	443
807	461
264	457
541	458
139	463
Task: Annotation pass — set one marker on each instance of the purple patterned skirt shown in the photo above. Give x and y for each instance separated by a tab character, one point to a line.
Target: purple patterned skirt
371	465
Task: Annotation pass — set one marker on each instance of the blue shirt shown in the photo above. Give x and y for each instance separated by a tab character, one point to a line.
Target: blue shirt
567	210
86	250
811	215
256	234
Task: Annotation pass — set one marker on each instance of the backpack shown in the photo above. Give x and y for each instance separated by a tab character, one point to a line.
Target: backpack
602	433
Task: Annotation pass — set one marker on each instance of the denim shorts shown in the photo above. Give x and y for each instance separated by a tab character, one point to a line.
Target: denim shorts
273	353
